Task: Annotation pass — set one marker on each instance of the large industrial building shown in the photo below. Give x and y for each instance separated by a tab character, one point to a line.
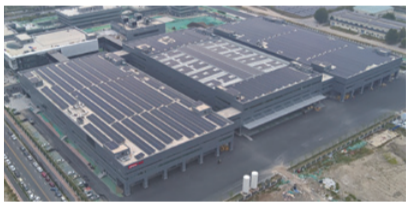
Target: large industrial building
88	15
248	86
26	51
353	67
133	126
376	11
183	11
137	26
364	24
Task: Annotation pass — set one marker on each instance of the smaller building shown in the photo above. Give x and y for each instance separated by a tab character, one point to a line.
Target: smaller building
89	15
150	10
26	51
8	33
183	11
376	11
136	26
364	24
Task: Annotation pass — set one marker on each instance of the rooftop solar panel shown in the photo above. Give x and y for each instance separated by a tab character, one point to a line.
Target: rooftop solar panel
54	98
133	138
108	130
111	145
96	133
143	134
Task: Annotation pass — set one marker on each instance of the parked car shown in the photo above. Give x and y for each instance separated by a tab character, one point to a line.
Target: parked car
13	137
35	164
5	157
22	148
12	168
8	162
26	153
21	181
44	174
53	189
58	194
24	186
39	169
30	158
51	184
62	198
17	174
47	178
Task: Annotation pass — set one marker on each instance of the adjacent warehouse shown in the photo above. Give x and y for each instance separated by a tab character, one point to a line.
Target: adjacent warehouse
364	24
354	68
27	51
248	86
89	15
132	125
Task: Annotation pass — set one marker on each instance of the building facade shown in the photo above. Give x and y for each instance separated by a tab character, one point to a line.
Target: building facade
89	15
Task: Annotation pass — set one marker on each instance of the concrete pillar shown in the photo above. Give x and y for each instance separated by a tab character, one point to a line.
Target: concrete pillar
165	174
362	90
396	74
145	183
381	81
371	85
201	158
218	151
126	189
352	93
343	96
183	166
231	145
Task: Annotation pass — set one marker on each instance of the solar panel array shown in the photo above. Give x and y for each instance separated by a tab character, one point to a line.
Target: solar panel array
305	46
124	105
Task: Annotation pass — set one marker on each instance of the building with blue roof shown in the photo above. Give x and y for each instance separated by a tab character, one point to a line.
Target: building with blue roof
376	11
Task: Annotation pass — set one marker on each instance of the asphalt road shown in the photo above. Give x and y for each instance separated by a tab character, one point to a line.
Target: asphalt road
281	144
31	177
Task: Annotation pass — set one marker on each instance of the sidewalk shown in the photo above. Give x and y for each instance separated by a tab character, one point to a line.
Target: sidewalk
12	188
41	156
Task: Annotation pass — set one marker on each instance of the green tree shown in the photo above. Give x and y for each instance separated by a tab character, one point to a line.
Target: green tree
402	33
403	43
389	16
392	36
321	15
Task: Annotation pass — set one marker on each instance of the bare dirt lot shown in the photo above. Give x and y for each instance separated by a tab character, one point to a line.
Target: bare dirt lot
377	174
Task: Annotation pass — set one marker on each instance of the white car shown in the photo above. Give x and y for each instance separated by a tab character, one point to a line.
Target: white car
13	137
5	157
12	168
8	162
39	169
35	164
30	157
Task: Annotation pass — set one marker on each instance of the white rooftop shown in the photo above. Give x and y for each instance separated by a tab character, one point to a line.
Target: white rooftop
46	41
75	11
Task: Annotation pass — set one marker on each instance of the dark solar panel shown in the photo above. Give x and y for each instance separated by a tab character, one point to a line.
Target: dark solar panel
58	80
182	119
54	98
65	77
75	75
102	126
98	111
133	138
43	76
116	103
159	134
162	126
96	133
121	98
173	123
93	71
130	96
216	120
83	72
143	134
139	156
111	145
102	104
195	119
64	95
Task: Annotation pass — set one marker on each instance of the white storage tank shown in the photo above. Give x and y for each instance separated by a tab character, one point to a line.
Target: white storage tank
246	184
254	179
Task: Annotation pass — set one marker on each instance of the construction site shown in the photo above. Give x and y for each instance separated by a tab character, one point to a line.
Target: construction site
371	169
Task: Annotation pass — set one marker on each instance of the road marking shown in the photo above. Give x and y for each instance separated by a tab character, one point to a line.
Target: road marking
17	157
248	137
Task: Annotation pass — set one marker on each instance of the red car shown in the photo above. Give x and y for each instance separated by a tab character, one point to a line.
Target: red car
51	184
44	174
47	178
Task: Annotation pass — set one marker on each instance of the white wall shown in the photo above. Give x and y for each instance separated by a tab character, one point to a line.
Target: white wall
82	48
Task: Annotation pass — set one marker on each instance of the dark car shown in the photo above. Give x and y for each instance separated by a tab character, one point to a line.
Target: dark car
23	149
58	194
17	174
47	178
25	187
26	153
53	189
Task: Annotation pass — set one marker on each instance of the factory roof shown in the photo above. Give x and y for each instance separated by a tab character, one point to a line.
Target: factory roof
295	43
368	20
217	62
7	31
45	41
372	9
121	106
86	9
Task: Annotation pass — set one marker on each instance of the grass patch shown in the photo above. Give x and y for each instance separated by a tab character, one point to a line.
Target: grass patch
343	30
372	38
390	159
9	192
